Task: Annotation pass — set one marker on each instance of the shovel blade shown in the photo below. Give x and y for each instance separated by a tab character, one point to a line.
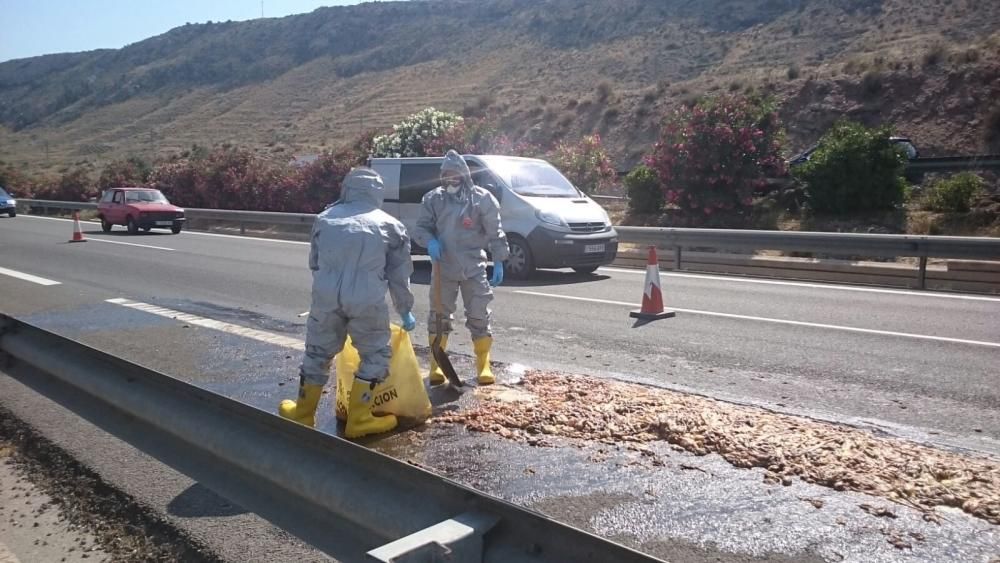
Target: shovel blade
444	362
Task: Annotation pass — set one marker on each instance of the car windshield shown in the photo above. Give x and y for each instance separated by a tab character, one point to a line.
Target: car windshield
145	196
533	178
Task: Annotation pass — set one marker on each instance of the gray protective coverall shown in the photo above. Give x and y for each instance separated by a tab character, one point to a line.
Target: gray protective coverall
357	253
465	224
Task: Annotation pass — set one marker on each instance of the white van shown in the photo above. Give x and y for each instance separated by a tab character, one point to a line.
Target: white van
549	223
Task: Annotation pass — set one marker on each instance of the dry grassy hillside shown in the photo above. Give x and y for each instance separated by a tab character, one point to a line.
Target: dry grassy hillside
548	68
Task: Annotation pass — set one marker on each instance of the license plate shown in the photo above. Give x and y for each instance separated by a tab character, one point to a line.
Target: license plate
593	248
164	223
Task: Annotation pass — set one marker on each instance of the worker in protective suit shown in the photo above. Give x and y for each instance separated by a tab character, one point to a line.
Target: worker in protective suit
458	221
357	253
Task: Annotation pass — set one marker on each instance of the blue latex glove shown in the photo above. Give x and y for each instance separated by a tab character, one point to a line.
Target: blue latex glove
409	321
497	274
434	249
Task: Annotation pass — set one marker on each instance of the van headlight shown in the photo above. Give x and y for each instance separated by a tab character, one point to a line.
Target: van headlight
607	218
551	218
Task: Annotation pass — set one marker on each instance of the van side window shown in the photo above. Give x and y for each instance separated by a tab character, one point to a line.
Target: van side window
119	197
106	197
485	179
417	179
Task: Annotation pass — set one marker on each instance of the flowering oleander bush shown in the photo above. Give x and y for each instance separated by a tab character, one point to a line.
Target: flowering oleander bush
409	137
711	157
585	163
479	136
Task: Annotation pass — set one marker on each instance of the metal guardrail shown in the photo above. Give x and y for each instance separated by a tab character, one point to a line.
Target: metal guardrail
351	502
244	218
843	244
954	163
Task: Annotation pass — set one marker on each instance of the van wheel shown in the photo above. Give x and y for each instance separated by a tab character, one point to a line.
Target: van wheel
585	269
519	265
132	227
105	225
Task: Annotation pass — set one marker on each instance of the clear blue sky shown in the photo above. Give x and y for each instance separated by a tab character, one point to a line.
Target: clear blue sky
39	27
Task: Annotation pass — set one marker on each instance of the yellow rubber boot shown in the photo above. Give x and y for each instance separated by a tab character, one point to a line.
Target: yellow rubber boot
302	411
483	370
360	420
436	375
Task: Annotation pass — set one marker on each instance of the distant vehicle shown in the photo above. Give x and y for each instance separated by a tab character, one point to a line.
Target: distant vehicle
138	208
911	151
548	221
8	204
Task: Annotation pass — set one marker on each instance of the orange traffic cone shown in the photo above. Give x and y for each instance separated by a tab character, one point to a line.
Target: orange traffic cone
77	232
652	298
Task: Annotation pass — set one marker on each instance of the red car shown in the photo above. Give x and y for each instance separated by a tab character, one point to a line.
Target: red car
138	208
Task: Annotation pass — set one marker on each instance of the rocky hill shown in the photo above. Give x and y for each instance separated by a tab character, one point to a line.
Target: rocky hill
548	68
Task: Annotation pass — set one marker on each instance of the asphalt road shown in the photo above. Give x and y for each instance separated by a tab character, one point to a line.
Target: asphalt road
913	362
922	365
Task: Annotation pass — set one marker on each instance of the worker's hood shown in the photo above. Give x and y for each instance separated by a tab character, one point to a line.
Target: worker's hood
455	163
364	186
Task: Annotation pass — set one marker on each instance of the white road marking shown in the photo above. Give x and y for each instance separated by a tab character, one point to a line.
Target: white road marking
196	233
98	239
737	279
243	237
28	277
260	335
778	321
810	285
58	219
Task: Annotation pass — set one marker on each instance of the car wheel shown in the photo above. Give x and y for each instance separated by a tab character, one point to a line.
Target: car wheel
106	225
585	269
132	227
519	265
176	229
12	213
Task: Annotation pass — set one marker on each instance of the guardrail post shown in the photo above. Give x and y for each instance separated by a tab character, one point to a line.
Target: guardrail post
243	228
677	257
922	273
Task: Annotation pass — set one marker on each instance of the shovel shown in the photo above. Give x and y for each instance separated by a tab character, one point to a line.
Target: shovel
440	356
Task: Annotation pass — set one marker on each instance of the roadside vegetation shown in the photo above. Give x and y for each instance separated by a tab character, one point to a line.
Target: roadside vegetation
717	163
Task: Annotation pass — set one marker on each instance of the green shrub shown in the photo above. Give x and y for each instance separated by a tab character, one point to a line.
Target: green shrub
131	171
854	169
645	195
955	194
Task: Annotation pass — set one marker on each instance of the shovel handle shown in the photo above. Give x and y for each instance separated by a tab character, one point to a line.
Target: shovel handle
436	269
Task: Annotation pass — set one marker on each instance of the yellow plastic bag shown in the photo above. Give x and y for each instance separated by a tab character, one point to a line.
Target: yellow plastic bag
402	394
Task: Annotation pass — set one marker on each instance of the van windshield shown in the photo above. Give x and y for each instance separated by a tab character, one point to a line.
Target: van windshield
533	178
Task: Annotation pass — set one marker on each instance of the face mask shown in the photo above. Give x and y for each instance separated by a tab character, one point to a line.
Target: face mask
453	189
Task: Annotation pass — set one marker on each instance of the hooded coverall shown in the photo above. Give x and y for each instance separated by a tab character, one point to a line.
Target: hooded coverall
357	253
464	223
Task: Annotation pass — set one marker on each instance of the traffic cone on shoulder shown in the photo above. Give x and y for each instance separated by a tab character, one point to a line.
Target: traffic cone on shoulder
77	231
652	297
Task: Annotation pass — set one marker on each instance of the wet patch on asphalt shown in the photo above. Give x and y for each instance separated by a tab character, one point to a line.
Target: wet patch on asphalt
712	512
693	508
